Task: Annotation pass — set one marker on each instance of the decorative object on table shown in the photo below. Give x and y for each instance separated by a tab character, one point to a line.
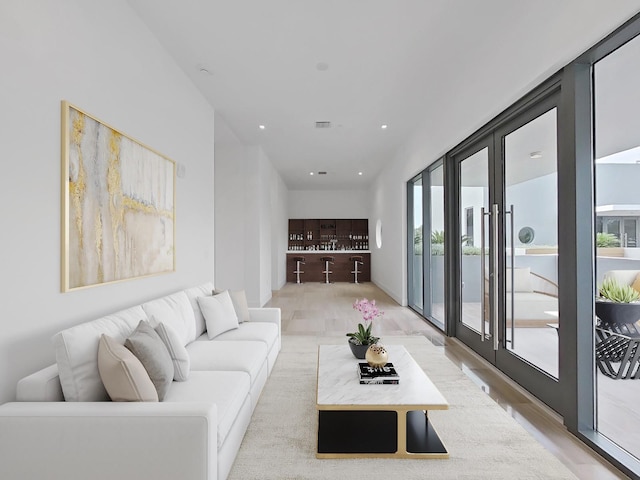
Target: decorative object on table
376	356
360	340
385	375
118	196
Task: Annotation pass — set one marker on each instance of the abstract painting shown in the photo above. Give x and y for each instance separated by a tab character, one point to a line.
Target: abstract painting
118	205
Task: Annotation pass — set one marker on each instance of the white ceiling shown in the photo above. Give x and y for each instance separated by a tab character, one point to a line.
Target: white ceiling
389	62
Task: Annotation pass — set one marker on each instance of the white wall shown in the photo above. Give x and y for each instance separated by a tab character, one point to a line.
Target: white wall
329	204
250	219
264	170
279	230
100	57
230	222
388	263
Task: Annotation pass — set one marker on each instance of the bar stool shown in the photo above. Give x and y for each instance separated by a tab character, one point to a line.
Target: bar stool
299	261
357	260
326	271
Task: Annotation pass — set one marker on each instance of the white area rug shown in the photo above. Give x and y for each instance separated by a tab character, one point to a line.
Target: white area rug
484	442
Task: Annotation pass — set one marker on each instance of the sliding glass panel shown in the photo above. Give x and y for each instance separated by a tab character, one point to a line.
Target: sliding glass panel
531	231
436	259
416	286
474	196
617	196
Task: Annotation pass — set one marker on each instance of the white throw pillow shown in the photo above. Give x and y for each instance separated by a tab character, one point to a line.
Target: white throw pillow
177	351
219	314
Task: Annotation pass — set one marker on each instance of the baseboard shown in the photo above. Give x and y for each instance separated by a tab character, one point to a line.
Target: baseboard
265	299
388	291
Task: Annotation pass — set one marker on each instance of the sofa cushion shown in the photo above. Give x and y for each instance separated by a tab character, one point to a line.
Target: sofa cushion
174	310
219	313
76	351
228	390
204	290
236	356
256	331
240	305
177	351
149	348
123	375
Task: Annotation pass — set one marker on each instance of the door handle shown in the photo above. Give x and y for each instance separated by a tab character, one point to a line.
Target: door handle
494	278
513	265
482	274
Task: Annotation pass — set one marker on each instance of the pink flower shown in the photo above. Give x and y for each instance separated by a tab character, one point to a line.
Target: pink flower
368	309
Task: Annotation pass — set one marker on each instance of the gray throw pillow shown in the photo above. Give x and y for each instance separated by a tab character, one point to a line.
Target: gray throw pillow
149	348
240	305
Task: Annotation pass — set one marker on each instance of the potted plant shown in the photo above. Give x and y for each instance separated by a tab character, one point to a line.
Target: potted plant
617	304
360	340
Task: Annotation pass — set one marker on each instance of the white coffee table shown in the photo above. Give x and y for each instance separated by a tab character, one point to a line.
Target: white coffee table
386	421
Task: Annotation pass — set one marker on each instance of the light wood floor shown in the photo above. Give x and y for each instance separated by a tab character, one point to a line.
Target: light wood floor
319	309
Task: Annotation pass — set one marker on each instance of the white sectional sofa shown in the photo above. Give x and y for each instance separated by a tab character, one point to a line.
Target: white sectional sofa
63	425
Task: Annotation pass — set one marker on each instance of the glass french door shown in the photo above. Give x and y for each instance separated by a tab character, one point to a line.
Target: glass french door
508	290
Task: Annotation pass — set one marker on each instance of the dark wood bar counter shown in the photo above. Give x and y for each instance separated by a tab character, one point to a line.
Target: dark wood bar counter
341	268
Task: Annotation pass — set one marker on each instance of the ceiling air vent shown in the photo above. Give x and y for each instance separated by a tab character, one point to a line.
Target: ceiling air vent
322	173
323	124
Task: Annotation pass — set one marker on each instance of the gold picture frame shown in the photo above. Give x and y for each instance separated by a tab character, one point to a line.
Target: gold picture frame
118	205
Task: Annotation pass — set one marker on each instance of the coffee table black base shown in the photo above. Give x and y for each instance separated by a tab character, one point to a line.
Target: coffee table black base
375	433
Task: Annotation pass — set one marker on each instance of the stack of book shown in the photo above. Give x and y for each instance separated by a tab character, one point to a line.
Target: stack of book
386	375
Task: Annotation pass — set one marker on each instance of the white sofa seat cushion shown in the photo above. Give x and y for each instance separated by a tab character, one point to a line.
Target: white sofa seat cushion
174	310
204	290
237	356
256	331
76	350
228	390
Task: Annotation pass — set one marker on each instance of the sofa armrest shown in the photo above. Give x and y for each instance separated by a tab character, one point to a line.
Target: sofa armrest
271	315
107	440
41	386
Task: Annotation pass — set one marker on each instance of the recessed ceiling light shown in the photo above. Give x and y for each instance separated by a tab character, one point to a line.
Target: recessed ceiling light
384	126
537	154
310	173
261	127
359	173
